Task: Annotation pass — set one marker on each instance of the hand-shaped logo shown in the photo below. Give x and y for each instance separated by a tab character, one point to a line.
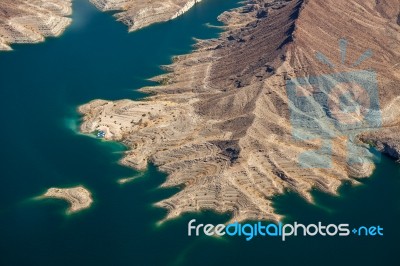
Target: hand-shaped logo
339	105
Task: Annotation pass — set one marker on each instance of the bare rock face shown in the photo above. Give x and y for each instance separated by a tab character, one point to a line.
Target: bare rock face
25	21
137	14
224	123
386	141
79	198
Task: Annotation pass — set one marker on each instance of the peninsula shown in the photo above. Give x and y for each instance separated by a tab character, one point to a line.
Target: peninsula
219	122
24	21
79	197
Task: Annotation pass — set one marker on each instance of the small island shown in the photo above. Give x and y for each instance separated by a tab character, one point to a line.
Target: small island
78	197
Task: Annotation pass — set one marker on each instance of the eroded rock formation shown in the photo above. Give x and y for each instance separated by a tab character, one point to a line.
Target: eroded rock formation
79	198
220	122
137	14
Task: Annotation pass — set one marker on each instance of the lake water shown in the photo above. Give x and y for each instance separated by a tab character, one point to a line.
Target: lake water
41	86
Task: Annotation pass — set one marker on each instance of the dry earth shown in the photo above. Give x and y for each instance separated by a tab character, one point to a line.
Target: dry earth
219	124
79	198
137	14
30	21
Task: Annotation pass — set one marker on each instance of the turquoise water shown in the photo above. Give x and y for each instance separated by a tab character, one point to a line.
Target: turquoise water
41	86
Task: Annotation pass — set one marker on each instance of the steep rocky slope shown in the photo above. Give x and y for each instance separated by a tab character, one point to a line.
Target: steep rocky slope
224	123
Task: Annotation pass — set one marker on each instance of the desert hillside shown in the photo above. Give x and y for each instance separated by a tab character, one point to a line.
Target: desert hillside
260	109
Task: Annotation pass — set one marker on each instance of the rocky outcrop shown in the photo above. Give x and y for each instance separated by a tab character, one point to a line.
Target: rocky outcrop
79	198
23	21
224	125
137	14
386	141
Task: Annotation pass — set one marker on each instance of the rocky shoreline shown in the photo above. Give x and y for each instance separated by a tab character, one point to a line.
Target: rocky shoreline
24	22
79	198
386	141
138	14
219	124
